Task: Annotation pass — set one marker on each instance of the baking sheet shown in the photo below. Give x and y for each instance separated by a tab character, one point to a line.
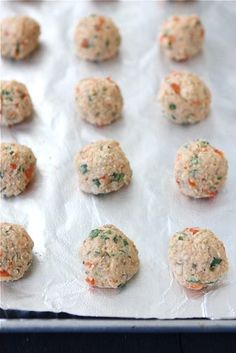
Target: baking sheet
58	216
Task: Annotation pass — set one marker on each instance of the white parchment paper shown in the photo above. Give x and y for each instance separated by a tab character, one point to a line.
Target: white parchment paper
58	216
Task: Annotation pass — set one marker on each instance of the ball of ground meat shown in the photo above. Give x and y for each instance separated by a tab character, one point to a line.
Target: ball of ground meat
197	258
200	169
102	167
15	103
96	38
109	257
184	98
182	37
19	37
15	251
17	168
99	100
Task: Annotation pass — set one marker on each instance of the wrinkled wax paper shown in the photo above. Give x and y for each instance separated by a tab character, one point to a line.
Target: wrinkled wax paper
58	216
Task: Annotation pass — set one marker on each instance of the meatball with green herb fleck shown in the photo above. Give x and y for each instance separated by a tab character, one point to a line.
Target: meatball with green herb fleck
109	257
17	168
15	103
99	100
102	167
19	37
200	169
197	258
97	38
15	251
184	98
182	37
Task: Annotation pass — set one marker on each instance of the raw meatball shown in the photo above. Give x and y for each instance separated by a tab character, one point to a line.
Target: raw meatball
185	99
182	37
97	38
102	167
15	104
200	169
19	36
99	100
109	257
17	168
15	251
197	258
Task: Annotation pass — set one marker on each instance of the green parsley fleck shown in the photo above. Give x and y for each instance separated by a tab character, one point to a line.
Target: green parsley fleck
115	239
117	177
83	168
203	143
172	106
215	262
219	177
180	238
104	236
107	43
17	48
193	279
96	182
94	233
125	242
121	285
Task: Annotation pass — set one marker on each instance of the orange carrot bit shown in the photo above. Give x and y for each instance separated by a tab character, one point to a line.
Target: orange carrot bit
212	194
4	273
219	152
195	286
171	38
90	281
202	32
193	230
84	43
88	264
176	88
98	26
196	102
192	183
29	172
13	165
177	181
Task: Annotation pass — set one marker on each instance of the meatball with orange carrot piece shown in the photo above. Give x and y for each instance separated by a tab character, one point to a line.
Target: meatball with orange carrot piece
197	258
17	168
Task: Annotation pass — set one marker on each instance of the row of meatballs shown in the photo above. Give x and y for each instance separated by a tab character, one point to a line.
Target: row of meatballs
97	38
197	257
184	98
200	169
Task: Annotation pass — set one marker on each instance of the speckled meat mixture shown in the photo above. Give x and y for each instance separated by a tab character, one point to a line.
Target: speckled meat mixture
19	37
99	100
97	38
184	98
197	258
182	37
15	103
109	257
102	167
17	168
15	251
200	169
